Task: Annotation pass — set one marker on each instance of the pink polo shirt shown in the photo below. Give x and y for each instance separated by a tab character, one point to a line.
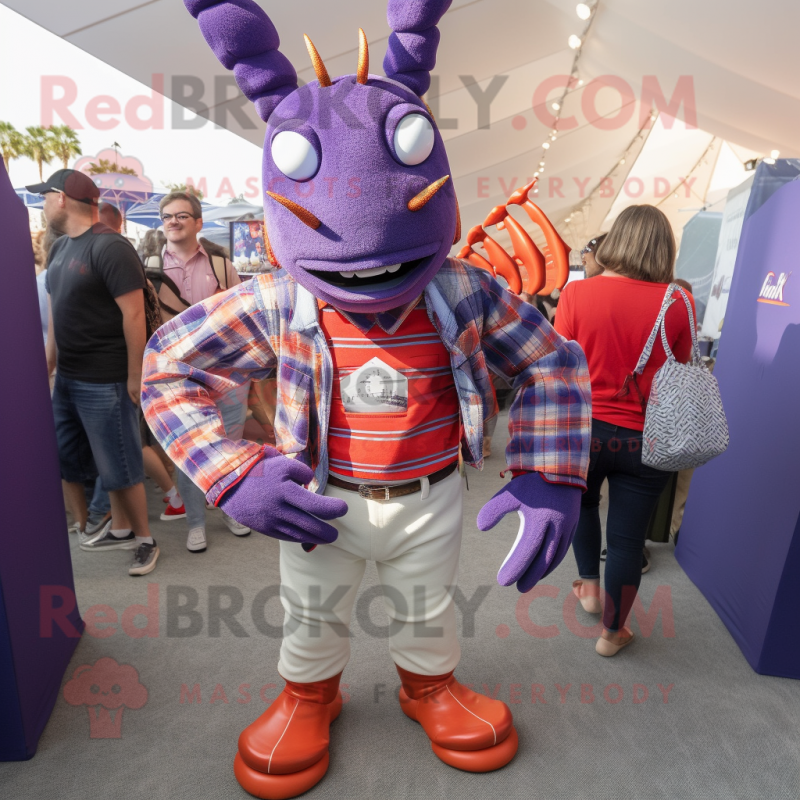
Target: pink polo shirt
195	277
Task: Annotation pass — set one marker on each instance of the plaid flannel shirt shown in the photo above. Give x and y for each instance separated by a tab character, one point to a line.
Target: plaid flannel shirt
270	325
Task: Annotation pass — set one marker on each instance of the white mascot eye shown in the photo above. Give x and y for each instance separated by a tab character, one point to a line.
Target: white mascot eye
413	139
294	156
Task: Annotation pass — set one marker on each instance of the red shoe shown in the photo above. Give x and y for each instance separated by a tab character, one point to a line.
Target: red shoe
285	751
467	730
174	513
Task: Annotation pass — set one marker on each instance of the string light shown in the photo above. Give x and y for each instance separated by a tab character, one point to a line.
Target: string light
556	106
775	154
583	11
622	161
574	41
546	145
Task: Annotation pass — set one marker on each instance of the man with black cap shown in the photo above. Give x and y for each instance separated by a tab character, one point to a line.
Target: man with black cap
96	338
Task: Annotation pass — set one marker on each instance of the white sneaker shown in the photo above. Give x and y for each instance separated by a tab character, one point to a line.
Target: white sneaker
196	542
234	527
85	538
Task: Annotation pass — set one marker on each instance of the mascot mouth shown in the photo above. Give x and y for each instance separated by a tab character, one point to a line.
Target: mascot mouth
370	275
369	279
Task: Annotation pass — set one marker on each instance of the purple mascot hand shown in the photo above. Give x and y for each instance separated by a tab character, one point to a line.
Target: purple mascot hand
272	500
548	514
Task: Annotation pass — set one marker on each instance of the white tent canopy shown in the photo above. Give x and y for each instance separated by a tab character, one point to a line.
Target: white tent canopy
729	65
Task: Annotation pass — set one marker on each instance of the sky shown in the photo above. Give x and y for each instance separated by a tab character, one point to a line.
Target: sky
33	55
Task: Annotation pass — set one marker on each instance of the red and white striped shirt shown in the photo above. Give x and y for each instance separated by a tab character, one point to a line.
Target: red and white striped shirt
409	371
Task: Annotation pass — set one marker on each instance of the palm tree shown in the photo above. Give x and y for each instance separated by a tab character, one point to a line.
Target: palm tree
104	165
38	147
11	142
64	142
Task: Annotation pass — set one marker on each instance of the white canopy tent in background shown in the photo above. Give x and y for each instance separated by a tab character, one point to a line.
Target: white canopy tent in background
730	63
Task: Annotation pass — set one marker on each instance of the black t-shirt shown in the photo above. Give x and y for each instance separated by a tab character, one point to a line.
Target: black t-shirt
84	275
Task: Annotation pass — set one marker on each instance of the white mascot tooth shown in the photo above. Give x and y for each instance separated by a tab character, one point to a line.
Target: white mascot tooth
347	274
371	273
394	268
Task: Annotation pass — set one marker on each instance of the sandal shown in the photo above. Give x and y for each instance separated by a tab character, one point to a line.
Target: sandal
589	601
605	647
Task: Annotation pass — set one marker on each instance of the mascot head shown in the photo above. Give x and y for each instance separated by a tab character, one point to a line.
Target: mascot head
359	205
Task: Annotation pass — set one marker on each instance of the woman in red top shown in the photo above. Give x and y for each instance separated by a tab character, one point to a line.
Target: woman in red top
611	317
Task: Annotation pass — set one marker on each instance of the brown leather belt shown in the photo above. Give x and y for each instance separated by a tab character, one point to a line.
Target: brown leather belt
388	492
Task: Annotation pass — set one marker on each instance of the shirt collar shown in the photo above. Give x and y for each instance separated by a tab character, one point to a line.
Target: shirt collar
307	307
173	256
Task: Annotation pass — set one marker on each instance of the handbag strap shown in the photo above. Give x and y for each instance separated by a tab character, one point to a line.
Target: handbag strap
651	339
696	357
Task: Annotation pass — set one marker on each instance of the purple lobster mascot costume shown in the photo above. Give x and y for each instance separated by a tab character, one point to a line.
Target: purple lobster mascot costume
382	347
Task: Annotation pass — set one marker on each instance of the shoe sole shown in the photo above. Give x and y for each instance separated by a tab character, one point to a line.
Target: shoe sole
145	570
240	535
121	546
168	517
197	550
608	649
646	568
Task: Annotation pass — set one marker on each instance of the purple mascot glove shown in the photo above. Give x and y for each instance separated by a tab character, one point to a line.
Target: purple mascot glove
272	500
548	514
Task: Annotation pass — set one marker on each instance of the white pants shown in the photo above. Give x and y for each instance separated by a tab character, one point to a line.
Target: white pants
415	545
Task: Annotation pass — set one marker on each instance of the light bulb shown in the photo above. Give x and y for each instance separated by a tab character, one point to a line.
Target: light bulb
541	163
622	161
583	11
574	41
556	106
546	145
580	82
769	160
774	153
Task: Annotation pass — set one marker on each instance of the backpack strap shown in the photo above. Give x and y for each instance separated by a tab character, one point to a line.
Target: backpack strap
154	272
219	266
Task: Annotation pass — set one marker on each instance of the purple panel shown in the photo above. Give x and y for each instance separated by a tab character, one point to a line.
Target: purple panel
34	555
738	540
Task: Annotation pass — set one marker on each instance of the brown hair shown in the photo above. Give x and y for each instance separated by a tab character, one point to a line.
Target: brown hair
640	245
197	209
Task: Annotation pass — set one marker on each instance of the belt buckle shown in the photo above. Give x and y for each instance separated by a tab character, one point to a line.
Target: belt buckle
367	492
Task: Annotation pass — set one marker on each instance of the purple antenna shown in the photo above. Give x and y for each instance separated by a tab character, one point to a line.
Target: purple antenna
244	40
411	54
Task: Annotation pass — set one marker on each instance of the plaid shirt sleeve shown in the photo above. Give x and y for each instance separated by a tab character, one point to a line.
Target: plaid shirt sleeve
550	419
201	354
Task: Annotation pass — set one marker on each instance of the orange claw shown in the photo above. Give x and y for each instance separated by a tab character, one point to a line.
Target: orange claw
476	259
556	252
525	250
503	263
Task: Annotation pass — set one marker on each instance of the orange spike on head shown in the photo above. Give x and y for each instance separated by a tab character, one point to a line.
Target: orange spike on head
316	61
418	201
363	57
457	234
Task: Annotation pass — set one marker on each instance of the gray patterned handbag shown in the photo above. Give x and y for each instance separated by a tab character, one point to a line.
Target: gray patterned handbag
684	423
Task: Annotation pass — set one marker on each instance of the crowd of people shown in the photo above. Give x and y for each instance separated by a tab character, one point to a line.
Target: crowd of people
93	323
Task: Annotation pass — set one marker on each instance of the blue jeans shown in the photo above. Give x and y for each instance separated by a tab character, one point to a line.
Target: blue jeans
233	409
97	430
633	490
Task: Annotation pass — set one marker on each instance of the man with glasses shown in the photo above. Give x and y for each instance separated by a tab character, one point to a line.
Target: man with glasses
198	276
96	338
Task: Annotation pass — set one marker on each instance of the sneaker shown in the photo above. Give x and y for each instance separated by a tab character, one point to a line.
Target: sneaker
74	528
97	522
106	541
603	554
174	513
234	527
645	560
144	559
85	538
196	543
